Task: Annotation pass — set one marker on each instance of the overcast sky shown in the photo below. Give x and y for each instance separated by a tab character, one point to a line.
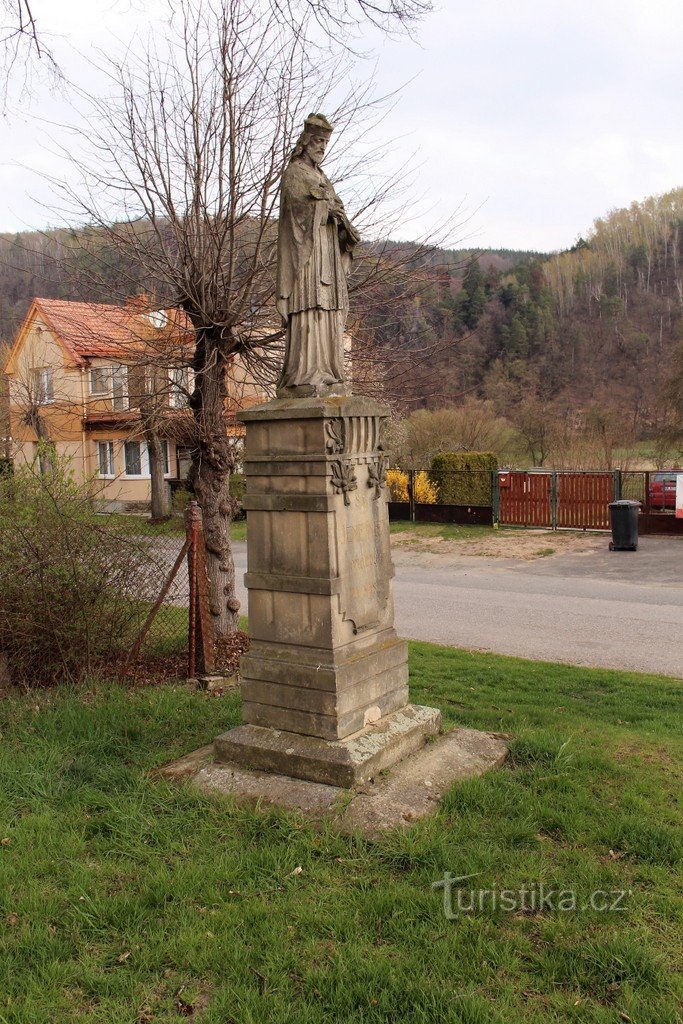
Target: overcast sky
540	115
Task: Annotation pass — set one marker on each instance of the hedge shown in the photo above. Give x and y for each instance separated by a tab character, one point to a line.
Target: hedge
464	478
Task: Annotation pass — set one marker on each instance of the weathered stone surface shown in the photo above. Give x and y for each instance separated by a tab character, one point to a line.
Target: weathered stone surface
325	683
346	763
410	791
314	254
416	786
324	651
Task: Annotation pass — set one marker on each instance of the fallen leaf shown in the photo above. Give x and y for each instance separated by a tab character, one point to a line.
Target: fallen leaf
12	919
123	957
297	871
4	842
624	1016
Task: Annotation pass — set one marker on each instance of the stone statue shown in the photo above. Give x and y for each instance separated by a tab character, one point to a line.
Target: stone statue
315	249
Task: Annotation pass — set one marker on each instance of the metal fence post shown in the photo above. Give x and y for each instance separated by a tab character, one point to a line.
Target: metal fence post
201	652
192	527
495	497
411	495
553	500
617	485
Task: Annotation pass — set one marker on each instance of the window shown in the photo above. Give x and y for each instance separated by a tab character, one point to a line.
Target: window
105	457
119	388
43	386
136	458
133	458
100	380
182	382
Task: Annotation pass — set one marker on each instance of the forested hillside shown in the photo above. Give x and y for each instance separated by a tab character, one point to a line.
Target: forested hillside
589	333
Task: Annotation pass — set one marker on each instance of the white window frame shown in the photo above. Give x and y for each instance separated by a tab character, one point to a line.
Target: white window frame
110	455
181	379
144	461
122	370
106	371
43	375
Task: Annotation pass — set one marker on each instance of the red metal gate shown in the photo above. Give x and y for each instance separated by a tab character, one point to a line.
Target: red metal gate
583	500
525	499
577	501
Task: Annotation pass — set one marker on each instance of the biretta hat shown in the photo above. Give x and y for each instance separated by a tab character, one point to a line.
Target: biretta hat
318	123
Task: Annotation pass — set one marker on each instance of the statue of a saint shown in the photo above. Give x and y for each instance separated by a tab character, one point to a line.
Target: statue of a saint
315	248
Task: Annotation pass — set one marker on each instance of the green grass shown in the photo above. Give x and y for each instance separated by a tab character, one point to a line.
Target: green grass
140	526
124	896
449	531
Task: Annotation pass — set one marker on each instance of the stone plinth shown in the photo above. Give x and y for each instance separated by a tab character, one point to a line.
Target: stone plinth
325	661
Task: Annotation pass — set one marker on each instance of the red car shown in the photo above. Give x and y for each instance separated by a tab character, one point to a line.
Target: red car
662	493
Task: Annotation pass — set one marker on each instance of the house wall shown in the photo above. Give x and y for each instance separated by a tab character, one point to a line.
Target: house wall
63	415
242	391
120	492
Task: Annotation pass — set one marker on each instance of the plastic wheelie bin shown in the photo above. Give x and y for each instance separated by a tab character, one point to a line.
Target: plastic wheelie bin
624	519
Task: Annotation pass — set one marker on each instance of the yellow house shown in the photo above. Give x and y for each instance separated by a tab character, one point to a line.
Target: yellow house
91	380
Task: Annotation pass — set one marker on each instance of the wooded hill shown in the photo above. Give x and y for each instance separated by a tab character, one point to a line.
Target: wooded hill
597	326
563	334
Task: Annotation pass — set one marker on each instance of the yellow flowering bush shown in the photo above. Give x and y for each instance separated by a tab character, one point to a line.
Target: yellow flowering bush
425	491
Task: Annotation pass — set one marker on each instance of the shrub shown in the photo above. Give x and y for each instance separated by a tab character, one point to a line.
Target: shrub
464	478
180	499
237	487
397	482
68	580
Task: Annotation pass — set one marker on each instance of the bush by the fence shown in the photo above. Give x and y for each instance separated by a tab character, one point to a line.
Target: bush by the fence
68	580
237	489
463	478
397	482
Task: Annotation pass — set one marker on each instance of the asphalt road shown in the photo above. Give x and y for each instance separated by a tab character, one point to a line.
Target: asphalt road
606	609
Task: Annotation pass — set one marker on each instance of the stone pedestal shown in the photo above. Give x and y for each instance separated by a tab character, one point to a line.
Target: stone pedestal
325	665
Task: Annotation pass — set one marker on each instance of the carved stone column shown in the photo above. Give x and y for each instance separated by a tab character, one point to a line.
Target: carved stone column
325	684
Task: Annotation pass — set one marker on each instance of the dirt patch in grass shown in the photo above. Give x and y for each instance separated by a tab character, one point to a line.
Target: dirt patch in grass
525	545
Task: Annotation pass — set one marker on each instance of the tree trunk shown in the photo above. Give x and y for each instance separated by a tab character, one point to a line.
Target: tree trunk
160	494
212	464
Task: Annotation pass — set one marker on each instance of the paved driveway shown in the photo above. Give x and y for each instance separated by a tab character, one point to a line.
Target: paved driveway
619	609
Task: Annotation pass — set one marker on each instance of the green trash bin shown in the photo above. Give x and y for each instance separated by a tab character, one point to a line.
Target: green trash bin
624	519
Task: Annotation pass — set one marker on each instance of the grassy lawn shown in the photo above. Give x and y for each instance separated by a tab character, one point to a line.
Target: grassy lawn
128	900
140	526
449	531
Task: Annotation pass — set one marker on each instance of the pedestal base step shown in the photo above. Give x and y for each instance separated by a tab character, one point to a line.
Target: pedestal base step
411	791
344	763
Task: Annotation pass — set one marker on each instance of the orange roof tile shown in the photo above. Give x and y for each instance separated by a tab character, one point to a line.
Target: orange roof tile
93	330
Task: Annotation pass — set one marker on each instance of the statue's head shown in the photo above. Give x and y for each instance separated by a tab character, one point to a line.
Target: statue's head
314	138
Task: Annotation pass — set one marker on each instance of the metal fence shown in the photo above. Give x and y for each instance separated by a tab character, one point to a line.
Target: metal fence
556	499
174	620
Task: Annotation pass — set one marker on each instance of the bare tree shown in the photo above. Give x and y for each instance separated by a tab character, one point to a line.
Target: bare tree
21	42
188	159
186	163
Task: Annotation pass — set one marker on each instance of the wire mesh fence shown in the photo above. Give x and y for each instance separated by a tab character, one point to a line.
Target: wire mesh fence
85	594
